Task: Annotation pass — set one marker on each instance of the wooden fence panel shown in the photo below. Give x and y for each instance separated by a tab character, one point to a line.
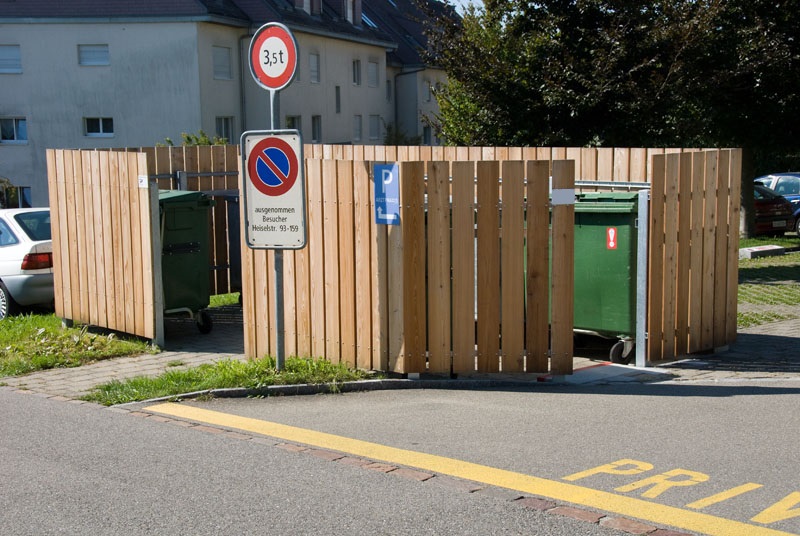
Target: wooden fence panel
331	272
412	217
463	243
655	263
709	247
103	246
438	243
488	256
696	253
563	270
721	250
364	290
684	218
734	215
346	261
538	265
512	267
670	267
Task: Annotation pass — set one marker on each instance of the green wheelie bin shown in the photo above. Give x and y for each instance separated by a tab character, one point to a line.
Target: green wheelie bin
185	266
605	268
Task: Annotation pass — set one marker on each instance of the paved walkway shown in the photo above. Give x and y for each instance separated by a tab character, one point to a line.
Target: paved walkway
769	351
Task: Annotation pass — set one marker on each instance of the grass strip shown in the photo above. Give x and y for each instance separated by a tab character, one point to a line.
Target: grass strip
249	374
36	342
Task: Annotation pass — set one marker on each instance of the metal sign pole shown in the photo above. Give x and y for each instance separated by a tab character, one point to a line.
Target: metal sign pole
280	357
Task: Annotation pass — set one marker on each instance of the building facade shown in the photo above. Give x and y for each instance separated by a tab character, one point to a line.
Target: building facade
131	73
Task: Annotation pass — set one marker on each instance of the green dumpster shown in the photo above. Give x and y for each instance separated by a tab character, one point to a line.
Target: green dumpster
605	267
185	254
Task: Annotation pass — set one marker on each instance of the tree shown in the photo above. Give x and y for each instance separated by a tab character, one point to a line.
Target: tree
685	73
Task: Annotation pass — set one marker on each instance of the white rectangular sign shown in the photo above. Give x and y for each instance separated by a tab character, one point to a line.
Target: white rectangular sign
274	189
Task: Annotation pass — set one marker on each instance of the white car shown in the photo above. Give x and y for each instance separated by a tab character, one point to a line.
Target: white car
26	259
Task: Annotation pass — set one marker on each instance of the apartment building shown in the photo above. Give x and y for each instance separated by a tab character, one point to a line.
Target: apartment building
129	73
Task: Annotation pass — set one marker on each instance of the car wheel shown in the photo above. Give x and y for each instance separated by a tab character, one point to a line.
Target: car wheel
8	306
797	226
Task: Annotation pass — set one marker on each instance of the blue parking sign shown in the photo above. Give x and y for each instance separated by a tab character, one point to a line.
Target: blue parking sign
387	193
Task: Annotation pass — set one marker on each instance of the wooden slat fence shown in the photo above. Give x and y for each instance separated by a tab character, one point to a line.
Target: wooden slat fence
694	236
208	168
403	298
103	261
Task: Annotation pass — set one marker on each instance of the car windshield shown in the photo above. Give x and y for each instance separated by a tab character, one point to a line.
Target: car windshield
762	192
35	224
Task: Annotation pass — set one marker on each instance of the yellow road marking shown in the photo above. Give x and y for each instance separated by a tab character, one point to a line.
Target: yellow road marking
552	489
724	496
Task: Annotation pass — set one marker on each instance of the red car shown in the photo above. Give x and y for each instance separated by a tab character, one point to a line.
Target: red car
773	212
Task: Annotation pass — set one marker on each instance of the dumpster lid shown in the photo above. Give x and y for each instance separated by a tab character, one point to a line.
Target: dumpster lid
609	197
179	195
608	202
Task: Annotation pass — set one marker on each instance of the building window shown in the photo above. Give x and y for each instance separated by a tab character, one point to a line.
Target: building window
388	90
222	63
338	99
293	122
427	91
313	67
372	74
13	130
316	128
225	128
356	128
10	59
357	72
93	55
374	127
350	8
98	127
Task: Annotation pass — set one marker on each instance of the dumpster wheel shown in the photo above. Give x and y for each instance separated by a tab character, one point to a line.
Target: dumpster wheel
622	351
204	322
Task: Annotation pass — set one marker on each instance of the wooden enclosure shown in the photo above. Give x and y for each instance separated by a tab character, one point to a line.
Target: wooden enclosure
462	282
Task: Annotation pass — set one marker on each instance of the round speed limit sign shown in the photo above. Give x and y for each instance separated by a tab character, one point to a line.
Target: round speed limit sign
273	56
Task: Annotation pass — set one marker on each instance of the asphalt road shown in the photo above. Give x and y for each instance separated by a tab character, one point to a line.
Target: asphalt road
726	450
717	458
77	469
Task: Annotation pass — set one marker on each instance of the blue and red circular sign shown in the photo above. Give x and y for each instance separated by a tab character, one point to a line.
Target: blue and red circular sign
273	56
272	166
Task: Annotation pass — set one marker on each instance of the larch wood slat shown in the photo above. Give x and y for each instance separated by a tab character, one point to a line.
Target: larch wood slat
331	241
655	263
537	281
56	192
106	189
671	254
249	311
733	243
316	256
709	247
463	244
488	260
563	272
72	278
412	218
512	248
379	261
82	276
364	288
721	250
347	261
128	319
696	253
684	217
439	263
92	162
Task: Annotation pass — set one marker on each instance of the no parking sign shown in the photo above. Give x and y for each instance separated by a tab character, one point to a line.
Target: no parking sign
274	188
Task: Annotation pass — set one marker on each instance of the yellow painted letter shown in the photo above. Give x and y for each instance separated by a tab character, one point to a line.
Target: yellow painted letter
781	510
619	467
661	483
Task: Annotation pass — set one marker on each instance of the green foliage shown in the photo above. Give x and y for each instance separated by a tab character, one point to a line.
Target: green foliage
36	342
618	73
395	136
201	138
224	374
